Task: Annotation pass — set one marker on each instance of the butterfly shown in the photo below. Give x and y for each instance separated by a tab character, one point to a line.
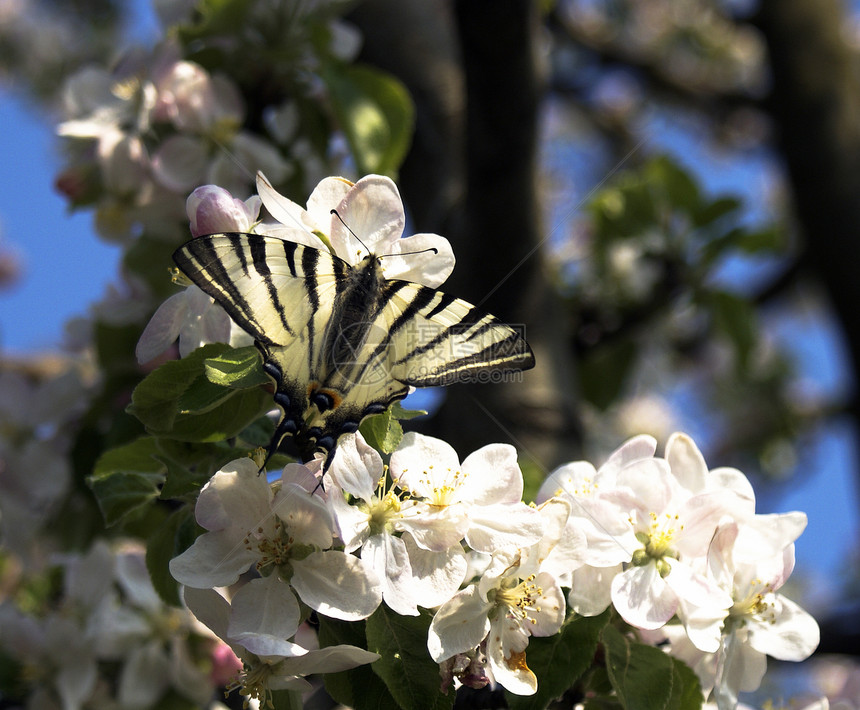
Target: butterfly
341	341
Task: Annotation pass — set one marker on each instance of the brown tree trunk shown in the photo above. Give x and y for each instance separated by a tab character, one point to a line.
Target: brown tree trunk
815	104
472	176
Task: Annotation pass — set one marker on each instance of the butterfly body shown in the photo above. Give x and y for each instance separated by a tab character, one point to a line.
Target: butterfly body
341	341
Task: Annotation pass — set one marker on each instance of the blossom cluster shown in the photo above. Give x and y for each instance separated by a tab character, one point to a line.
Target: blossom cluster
145	132
106	639
676	549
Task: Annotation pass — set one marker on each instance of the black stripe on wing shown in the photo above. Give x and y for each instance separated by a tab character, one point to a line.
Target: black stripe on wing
200	261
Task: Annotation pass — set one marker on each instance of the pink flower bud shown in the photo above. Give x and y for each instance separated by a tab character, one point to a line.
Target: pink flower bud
211	209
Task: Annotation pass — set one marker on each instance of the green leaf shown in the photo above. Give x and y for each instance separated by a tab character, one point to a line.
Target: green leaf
642	676
127	478
735	317
286	700
762	241
240	369
717	209
398	412
560	660
382	431
375	112
167	541
686	688
410	674
681	190
359	688
178	401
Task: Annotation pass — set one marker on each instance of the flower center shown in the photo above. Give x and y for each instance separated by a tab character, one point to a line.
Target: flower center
253	684
754	603
381	511
519	599
273	549
657	542
443	486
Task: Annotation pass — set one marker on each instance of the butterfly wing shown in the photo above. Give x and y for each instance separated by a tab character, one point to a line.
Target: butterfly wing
282	294
341	342
438	339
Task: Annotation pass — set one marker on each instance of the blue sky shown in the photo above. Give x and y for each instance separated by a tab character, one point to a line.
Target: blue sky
66	268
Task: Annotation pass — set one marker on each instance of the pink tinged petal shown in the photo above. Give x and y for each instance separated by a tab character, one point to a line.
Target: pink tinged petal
326	196
264	612
212	209
687	463
236	496
215	559
645	485
574	479
180	163
299	474
642	597
145	676
550	606
492	475
788	632
767	535
736	481
388	557
336	584
610	538
506	645
695	588
417	458
210	609
568	555
590	591
135	582
248	152
89	578
163	328
703	624
283	209
436	576
227	105
352	521
639	447
739	668
307	517
700	516
433	527
372	210
124	162
331	659
356	467
497	526
427	259
459	625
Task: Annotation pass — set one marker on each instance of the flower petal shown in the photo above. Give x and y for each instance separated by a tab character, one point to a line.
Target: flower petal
459	625
336	584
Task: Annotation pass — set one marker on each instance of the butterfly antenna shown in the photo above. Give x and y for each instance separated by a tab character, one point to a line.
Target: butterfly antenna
358	239
410	253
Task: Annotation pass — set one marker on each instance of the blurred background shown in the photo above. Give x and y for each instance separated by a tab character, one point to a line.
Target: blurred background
665	193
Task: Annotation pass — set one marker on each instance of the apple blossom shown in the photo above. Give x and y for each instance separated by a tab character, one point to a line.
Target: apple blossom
281	664
422	568
368	216
514	599
282	531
